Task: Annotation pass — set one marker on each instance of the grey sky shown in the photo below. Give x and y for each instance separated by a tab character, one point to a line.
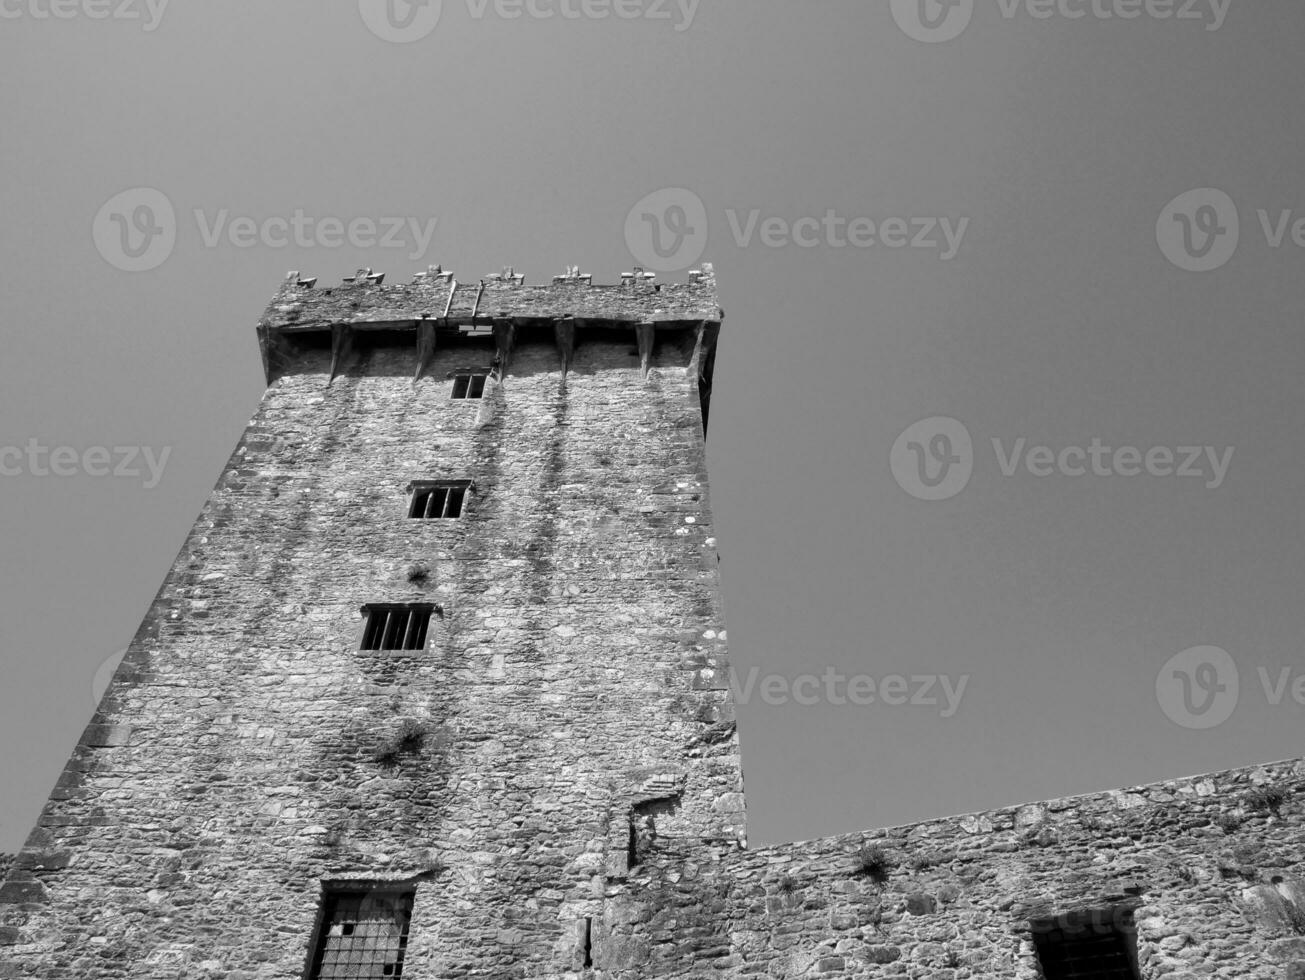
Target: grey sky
1058	319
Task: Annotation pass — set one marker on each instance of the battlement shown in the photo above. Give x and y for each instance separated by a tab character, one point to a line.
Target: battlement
436	294
434	308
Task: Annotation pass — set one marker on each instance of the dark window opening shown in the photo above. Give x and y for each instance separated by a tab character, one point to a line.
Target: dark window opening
438	501
363	935
589	943
469	384
397	627
1100	945
632	846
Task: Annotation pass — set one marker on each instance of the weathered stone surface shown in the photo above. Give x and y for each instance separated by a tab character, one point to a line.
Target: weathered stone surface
968	909
557	775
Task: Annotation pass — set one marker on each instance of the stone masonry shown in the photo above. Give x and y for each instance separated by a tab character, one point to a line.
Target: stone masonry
555	775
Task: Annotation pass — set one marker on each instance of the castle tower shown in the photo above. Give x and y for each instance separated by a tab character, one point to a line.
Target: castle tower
437	689
439	666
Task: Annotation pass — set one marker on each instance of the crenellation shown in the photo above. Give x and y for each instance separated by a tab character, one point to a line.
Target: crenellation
301	306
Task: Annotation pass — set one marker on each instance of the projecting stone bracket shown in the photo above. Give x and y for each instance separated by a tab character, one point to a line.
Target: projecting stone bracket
425	346
647	335
276	351
341	348
564	333
504	338
703	364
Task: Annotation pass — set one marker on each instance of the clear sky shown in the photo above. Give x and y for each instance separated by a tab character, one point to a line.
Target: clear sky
1050	146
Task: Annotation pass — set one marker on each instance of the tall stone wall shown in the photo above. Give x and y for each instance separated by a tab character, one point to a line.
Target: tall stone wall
1207	873
569	718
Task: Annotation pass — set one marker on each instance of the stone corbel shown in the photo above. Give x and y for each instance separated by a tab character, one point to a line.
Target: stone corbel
504	337
564	332
276	351
425	346
703	364
341	347
704	348
646	332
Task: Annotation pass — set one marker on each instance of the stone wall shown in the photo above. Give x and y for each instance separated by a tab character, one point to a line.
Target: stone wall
1210	872
569	717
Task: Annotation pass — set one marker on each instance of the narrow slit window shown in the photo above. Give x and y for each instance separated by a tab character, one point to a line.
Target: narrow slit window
469	384
363	935
1088	946
438	501
397	627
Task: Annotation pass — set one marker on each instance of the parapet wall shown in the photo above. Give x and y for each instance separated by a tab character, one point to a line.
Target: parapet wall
434	310
1207	873
437	294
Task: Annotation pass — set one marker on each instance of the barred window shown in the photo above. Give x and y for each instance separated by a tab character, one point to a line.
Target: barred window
1097	945
363	934
438	500
469	384
398	627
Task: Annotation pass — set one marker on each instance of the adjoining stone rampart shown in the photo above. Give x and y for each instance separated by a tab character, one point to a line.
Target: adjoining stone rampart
1205	876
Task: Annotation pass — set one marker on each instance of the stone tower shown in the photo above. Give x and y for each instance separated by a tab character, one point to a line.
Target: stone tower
445	642
437	689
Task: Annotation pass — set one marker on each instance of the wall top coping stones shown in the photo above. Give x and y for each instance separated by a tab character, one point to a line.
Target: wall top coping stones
1223	791
437	294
